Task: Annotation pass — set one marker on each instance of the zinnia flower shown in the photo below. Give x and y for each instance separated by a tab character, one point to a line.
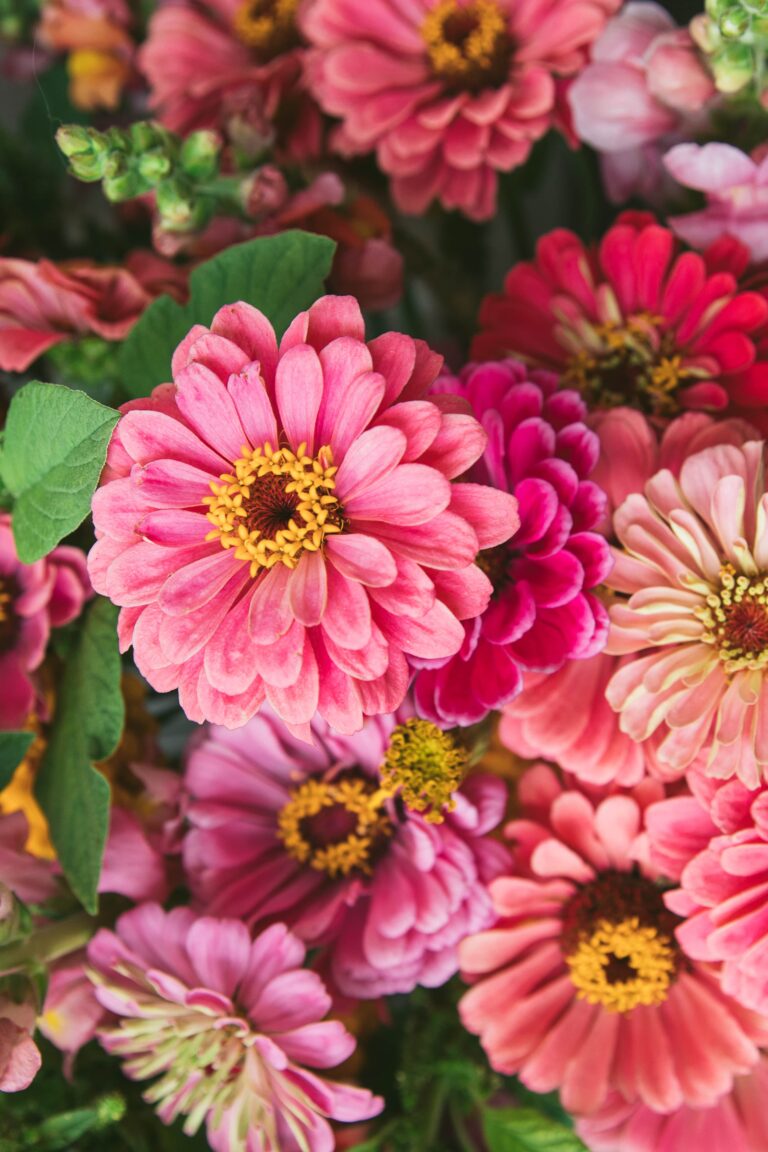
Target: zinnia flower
581	985
738	1122
33	599
230	1025
694	566
235	65
448	92
280	524
634	322
542	612
307	834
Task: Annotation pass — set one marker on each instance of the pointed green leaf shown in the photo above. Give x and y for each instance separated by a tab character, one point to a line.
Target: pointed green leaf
525	1130
281	275
54	450
87	725
13	749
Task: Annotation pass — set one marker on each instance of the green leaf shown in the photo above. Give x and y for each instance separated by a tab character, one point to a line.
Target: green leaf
13	749
525	1130
54	450
281	275
87	725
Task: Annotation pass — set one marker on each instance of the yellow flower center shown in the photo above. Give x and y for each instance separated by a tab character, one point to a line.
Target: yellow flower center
468	43
268	27
7	616
633	361
335	826
618	943
425	766
275	505
736	620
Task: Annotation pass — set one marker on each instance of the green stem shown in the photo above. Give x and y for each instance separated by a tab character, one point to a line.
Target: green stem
460	1130
49	943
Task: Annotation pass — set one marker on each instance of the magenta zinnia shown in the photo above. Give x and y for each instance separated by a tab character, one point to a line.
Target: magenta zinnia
280	524
230	1025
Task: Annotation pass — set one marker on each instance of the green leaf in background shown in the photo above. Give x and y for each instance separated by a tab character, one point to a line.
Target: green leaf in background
87	725
54	450
13	749
525	1130
281	275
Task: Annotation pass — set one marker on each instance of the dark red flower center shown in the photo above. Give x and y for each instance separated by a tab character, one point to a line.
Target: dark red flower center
8	619
469	45
268	27
735	618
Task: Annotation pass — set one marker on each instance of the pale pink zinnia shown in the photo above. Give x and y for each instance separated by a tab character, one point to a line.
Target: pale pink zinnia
447	92
280	524
692	609
231	1026
279	829
581	986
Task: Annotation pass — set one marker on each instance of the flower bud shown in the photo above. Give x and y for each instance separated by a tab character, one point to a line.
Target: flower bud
199	156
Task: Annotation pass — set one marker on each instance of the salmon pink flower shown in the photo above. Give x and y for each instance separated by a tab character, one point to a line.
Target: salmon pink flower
280	524
230	1024
447	92
543	611
635	321
282	830
581	985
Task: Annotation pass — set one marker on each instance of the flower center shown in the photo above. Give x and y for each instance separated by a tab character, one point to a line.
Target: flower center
635	362
618	942
736	620
268	27
496	563
336	826
468	44
425	766
275	505
8	622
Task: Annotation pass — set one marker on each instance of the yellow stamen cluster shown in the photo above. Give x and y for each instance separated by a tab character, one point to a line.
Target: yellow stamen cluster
274	505
425	767
357	797
621	966
267	26
736	620
6	611
468	44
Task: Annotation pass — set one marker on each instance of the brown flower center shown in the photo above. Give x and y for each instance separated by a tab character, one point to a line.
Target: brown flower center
335	826
8	620
618	942
268	27
469	44
736	620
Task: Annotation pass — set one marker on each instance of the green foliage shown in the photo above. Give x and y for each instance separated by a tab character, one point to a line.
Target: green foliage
87	725
54	450
526	1130
281	275
13	749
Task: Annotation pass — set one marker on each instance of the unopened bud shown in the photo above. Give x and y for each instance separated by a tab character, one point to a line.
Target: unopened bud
199	156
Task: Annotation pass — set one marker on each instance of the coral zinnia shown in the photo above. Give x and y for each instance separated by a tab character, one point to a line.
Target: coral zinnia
280	523
694	565
280	829
230	1024
448	92
543	611
581	984
635	322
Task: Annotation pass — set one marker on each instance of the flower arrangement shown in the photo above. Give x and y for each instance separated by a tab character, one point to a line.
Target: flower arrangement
383	576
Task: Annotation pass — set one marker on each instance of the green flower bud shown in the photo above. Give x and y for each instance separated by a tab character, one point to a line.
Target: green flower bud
733	67
154	166
179	209
734	23
199	156
86	150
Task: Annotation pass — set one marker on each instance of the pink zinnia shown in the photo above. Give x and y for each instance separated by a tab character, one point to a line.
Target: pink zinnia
635	321
230	1024
581	985
280	524
33	599
543	611
693	565
282	830
448	92
738	1122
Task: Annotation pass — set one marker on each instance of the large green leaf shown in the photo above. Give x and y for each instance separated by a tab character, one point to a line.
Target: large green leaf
13	749
525	1130
54	450
87	725
281	275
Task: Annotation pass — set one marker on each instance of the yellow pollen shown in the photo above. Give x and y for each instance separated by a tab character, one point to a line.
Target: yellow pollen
425	767
468	44
360	805
275	505
267	26
621	966
736	620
